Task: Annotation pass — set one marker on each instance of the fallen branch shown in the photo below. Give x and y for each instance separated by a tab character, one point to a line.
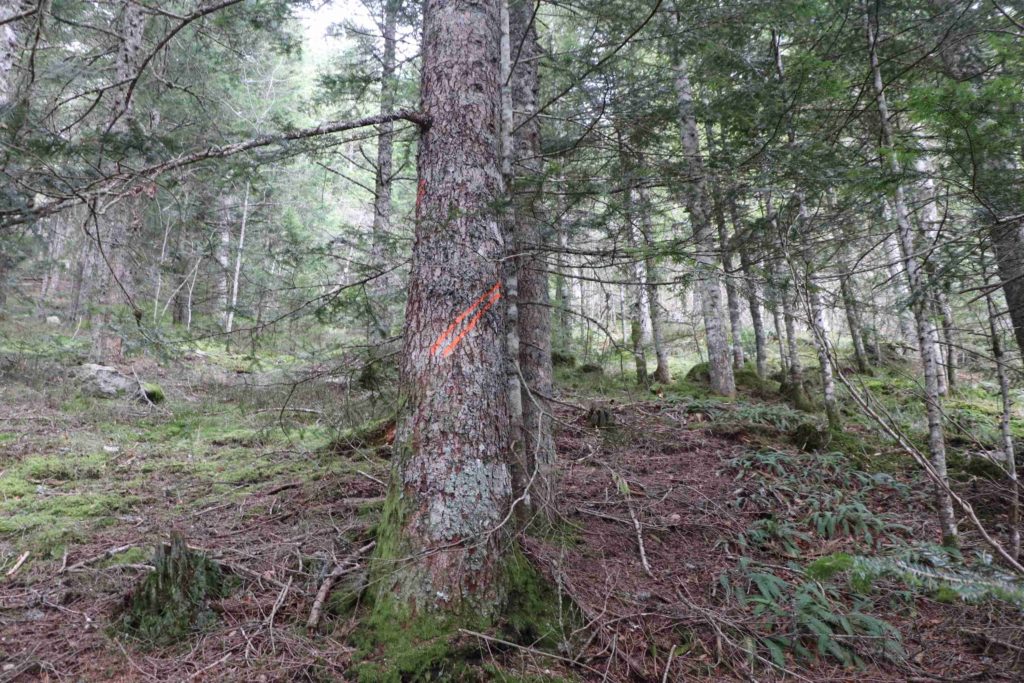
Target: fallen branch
282	487
105	555
17	565
120	182
325	588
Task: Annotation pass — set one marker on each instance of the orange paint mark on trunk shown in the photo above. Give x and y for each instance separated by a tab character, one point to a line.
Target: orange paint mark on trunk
481	306
420	192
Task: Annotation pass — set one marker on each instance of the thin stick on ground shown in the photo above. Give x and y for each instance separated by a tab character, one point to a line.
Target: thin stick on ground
17	565
105	555
523	648
325	588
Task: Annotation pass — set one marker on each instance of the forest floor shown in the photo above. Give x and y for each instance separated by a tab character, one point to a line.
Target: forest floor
696	541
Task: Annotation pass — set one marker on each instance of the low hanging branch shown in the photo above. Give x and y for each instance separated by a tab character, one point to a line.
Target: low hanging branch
113	183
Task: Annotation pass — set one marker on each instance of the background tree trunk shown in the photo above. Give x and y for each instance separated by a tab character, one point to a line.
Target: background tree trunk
918	298
380	320
534	309
719	357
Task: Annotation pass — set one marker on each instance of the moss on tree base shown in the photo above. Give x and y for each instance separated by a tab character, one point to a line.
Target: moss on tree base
397	643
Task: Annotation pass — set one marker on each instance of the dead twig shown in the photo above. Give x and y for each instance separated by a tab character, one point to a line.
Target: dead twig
105	555
325	588
17	565
540	653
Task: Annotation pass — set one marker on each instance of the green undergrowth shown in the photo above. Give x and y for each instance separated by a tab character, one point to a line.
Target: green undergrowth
804	605
799	502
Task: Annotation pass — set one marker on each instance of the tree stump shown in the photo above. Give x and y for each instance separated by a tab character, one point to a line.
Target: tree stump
173	601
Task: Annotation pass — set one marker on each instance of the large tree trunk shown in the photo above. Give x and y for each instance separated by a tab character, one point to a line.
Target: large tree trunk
698	206
534	309
1008	244
442	536
918	297
11	108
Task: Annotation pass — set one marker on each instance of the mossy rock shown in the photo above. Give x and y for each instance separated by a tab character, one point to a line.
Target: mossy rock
797	395
965	468
173	601
747	378
563	360
591	369
373	434
152	392
810	437
699	374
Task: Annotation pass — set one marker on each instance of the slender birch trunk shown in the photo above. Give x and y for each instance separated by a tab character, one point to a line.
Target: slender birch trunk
848	292
662	373
751	291
222	255
816	305
239	250
698	207
918	294
639	299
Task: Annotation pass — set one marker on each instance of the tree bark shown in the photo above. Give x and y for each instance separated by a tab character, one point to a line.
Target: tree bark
443	532
639	298
662	373
534	309
1005	425
848	291
123	220
732	297
510	270
918	295
380	320
222	255
751	291
719	357
239	250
